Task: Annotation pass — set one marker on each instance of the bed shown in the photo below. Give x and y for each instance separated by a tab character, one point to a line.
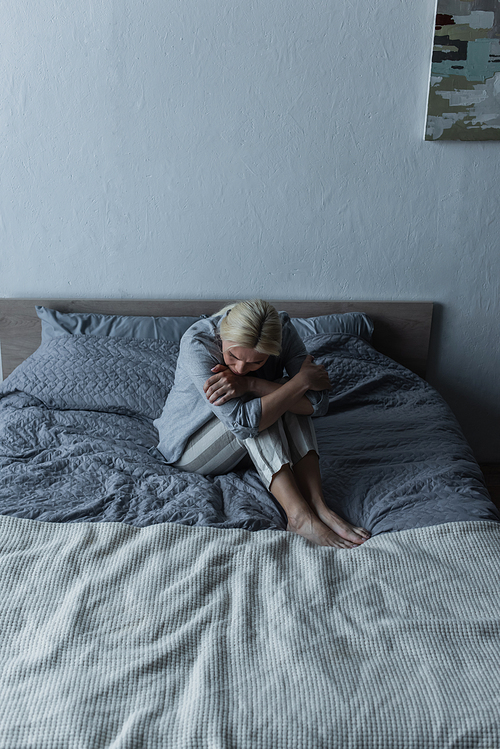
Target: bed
145	607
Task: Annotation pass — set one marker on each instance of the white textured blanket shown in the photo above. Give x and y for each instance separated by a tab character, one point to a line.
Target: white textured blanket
180	637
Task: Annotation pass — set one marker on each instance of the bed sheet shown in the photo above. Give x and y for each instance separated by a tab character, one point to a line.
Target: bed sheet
77	444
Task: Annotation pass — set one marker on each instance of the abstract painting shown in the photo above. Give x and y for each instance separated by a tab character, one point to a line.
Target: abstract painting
464	90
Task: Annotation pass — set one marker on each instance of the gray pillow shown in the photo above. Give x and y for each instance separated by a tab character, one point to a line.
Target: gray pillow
350	323
55	324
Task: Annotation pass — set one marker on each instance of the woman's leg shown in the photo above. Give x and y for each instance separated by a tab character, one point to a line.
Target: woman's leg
307	475
301	437
273	454
302	519
213	449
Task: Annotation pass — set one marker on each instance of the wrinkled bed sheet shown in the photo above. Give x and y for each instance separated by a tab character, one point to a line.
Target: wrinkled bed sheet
77	443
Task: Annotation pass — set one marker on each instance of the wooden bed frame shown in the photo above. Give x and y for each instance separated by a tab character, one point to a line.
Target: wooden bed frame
402	329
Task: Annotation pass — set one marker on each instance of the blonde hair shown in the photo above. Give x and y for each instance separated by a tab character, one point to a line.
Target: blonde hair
253	324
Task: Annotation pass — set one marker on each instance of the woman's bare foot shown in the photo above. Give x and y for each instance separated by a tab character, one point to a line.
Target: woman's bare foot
308	478
344	529
309	525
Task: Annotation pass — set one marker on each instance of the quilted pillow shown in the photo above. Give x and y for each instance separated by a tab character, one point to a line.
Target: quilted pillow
56	323
114	375
349	323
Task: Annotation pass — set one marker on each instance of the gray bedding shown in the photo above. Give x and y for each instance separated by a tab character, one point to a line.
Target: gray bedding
77	444
164	635
174	637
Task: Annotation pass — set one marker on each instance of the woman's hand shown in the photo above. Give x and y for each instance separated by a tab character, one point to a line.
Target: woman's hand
224	385
314	375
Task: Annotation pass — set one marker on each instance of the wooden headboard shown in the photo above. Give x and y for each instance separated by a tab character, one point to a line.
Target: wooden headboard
402	329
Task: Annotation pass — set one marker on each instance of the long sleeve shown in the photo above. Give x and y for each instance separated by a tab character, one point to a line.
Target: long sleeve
187	408
240	415
294	352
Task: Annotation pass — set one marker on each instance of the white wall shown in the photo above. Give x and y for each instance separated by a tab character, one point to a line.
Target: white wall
215	148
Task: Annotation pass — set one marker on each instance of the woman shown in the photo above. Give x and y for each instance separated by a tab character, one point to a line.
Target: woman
229	400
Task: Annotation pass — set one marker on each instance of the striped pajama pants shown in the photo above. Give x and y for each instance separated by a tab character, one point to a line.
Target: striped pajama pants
215	450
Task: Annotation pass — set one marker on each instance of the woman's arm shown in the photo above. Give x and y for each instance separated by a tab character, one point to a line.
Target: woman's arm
275	398
291	394
294	353
261	388
224	388
224	385
199	359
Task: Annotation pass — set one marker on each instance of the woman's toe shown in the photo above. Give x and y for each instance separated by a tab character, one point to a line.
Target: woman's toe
362	532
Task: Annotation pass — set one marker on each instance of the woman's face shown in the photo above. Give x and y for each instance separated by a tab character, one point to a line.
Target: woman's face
240	360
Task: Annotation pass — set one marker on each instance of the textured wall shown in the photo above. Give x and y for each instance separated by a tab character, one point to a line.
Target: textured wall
207	148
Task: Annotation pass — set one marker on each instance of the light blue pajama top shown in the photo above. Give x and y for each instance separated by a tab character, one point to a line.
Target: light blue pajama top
187	408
